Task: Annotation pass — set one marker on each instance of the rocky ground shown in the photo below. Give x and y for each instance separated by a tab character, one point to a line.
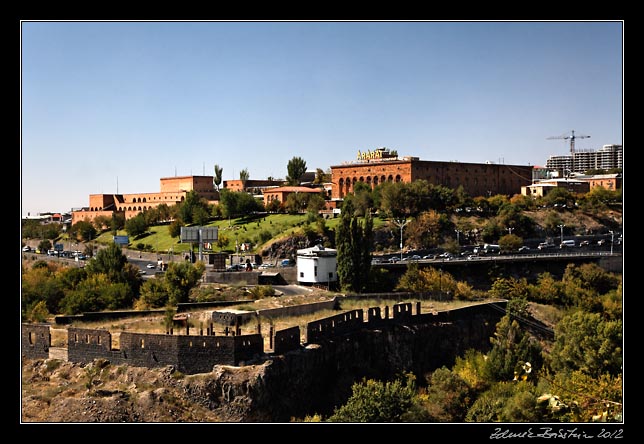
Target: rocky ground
55	391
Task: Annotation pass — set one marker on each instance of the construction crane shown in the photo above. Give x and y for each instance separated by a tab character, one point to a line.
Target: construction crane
572	138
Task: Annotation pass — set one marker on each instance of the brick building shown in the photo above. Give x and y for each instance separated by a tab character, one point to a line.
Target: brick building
173	190
477	179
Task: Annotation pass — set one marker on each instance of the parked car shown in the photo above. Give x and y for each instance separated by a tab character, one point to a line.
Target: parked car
150	266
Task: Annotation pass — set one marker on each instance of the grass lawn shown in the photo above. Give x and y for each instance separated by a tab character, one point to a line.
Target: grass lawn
259	232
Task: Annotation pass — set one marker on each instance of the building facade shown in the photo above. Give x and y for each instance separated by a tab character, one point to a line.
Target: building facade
607	158
173	190
477	179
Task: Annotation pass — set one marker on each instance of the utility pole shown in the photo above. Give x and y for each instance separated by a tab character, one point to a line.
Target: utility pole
401	224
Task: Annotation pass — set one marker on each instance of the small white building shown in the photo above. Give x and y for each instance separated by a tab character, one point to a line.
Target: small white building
317	265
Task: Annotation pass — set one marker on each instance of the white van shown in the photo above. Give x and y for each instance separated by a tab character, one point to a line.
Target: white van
567	243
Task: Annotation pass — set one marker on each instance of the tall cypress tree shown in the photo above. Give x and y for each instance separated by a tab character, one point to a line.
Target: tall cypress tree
354	242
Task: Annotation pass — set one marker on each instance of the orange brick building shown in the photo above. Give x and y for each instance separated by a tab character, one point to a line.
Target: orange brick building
477	179
173	190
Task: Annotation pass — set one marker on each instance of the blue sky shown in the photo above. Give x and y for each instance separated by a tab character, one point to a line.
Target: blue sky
115	106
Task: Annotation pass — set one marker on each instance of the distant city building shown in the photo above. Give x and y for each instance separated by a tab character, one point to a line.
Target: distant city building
543	187
607	158
477	179
173	190
577	184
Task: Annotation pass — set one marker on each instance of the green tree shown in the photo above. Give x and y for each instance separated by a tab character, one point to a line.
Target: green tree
190	204
136	226
374	401
506	402
586	342
353	242
39	284
83	231
117	222
244	175
216	179
180	278
510	243
447	396
511	349
296	168
154	294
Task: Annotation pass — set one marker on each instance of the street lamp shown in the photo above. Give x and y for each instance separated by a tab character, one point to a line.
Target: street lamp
458	237
510	230
612	237
562	227
401	223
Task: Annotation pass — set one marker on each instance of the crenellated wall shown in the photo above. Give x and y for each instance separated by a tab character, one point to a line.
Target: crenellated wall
188	353
400	338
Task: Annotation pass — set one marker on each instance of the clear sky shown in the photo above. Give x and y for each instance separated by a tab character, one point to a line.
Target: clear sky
112	107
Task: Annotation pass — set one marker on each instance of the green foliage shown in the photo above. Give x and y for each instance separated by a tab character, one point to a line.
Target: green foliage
180	278
296	168
83	231
217	177
262	291
429	279
39	284
235	203
353	242
586	342
578	397
511	349
192	206
510	243
506	402
154	294
374	401
447	396
38	312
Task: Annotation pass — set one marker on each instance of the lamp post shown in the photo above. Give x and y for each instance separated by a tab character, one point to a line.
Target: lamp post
458	237
561	227
510	230
612	237
401	224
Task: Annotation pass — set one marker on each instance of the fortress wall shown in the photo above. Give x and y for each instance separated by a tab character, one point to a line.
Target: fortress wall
35	341
286	340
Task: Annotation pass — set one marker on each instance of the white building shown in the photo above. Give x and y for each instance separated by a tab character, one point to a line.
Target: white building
317	265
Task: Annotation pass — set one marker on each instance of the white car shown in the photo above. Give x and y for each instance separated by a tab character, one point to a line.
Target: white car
150	266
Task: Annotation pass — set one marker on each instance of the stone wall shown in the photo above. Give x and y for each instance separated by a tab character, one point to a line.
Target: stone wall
286	340
188	353
35	341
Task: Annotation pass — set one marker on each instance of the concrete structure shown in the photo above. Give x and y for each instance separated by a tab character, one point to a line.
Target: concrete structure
607	158
477	179
317	265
